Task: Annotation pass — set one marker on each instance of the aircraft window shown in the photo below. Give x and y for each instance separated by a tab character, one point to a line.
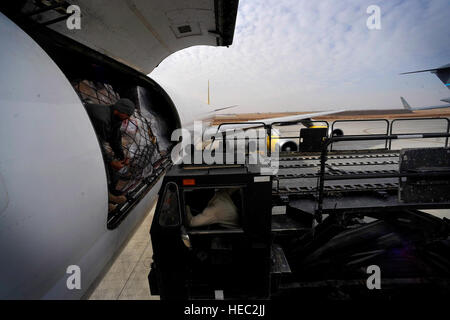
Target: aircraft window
170	209
215	207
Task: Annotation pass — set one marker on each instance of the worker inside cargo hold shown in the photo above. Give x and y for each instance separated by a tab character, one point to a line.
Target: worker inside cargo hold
107	120
222	209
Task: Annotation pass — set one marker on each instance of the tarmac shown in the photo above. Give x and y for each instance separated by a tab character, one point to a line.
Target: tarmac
126	278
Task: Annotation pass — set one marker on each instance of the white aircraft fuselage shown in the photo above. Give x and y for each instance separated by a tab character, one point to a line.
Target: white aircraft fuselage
53	187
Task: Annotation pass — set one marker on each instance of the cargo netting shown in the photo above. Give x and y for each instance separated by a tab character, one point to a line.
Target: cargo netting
138	141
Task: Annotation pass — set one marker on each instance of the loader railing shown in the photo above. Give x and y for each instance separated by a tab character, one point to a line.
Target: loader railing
324	153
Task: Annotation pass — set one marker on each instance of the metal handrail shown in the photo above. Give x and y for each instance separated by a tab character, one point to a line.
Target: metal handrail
328	141
405	119
389	129
362	120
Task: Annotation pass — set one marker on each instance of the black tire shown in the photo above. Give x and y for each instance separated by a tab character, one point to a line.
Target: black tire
338	133
289	147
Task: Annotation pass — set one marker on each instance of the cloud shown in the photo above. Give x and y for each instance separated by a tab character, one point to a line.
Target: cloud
316	55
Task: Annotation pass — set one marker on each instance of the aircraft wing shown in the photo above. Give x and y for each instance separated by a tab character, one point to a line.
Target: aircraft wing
443	73
432	107
140	33
408	107
224	108
260	122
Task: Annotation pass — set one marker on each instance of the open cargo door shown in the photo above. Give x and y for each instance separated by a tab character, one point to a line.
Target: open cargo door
139	33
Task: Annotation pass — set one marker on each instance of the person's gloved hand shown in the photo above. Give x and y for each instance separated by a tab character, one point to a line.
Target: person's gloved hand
188	215
116	165
119	164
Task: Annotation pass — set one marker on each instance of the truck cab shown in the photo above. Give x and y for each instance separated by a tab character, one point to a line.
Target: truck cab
213	261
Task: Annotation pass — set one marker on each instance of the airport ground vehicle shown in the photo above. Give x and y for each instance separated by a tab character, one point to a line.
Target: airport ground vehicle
313	229
213	250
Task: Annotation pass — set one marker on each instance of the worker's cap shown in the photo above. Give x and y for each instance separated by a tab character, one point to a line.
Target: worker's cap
125	106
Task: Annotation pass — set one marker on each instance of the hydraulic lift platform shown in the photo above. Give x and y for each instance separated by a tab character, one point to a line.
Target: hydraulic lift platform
363	181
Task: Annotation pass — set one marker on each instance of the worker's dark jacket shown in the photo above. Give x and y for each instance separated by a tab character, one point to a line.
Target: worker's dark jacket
107	127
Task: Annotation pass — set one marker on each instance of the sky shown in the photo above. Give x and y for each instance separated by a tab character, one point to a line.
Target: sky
303	55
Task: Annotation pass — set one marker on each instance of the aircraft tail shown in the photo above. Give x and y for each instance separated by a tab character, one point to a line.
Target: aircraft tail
443	73
208	92
218	109
405	104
